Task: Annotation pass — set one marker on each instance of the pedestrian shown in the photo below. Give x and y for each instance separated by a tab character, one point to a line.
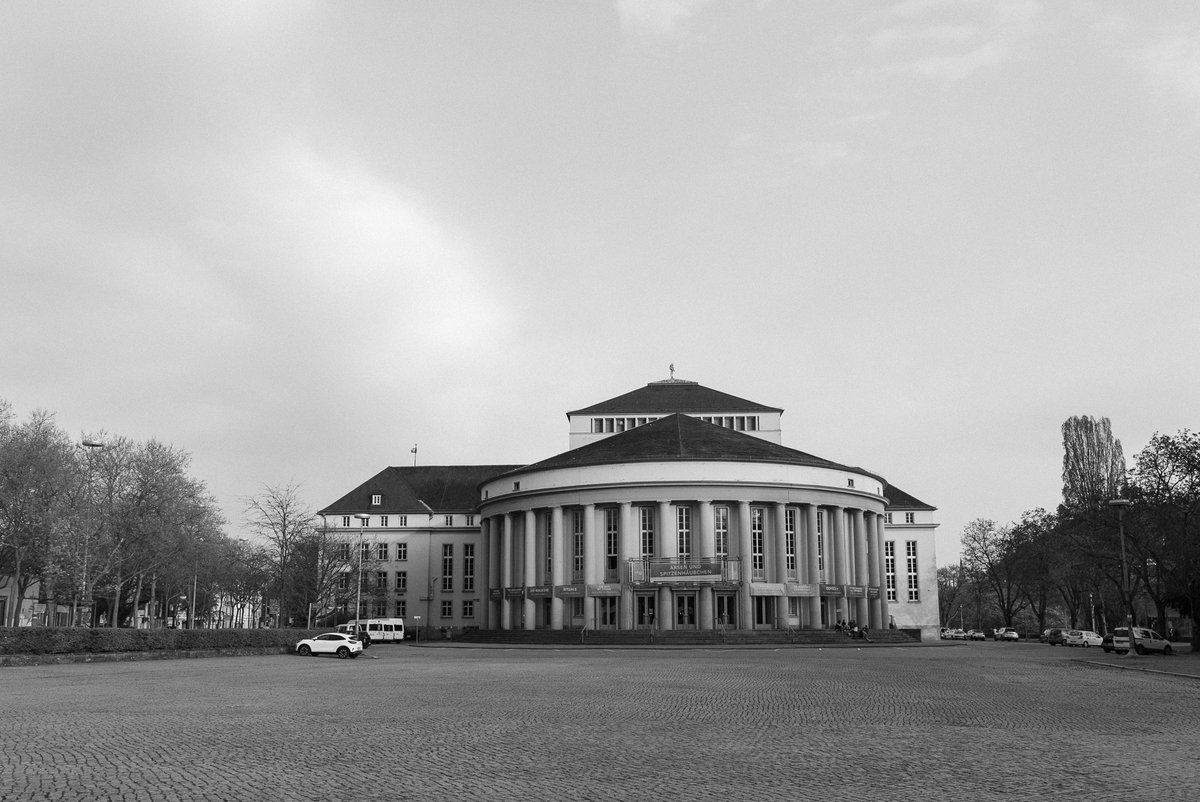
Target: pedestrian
865	634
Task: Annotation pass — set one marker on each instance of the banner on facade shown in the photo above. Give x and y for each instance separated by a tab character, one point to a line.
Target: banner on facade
800	589
514	593
568	591
766	589
496	593
539	592
831	590
872	591
856	591
690	571
604	590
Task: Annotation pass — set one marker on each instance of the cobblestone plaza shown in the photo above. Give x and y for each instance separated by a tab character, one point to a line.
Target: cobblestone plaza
974	721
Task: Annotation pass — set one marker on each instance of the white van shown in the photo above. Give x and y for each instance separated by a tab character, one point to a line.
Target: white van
376	630
1147	640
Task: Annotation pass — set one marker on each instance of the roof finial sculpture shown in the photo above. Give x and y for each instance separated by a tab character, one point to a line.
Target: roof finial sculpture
672	368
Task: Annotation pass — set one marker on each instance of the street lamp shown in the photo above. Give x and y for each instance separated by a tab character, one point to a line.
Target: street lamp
362	522
90	446
1120	504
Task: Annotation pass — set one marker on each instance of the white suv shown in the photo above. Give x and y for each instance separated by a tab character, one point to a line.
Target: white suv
1147	641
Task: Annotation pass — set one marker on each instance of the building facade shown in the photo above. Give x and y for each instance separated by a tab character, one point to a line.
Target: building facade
675	507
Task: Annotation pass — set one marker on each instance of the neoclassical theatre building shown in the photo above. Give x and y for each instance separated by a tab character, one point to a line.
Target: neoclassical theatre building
675	507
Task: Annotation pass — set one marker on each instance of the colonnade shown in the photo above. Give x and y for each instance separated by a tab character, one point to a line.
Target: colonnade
784	551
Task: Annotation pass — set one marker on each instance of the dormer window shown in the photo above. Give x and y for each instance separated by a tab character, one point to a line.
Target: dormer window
376	500
849	483
516	485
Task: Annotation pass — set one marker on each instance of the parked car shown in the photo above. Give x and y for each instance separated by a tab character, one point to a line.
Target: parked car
1006	633
975	634
338	643
1107	643
1053	636
359	632
957	634
1147	640
1082	637
944	633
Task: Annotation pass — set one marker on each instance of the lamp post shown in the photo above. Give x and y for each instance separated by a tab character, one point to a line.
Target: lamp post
1120	504
362	522
90	446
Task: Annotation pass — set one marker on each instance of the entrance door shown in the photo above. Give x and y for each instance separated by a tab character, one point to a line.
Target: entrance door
607	612
685	611
725	615
645	611
764	611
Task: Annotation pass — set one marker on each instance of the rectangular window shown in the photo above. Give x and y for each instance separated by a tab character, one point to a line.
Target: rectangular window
683	532
887	517
821	545
383	520
612	541
646	527
448	608
380	609
468	608
401	608
449	520
344	552
343	582
401	552
401	581
721	532
376	500
889	569
447	566
789	536
401	520
910	517
381	580
757	557
577	541
381	551
849	483
468	567
752	423
364	552
549	546
345	520
470	520
910	555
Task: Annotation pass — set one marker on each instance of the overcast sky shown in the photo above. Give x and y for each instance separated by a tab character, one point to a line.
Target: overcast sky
297	239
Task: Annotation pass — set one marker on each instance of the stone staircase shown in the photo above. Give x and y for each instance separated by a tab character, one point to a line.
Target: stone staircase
647	637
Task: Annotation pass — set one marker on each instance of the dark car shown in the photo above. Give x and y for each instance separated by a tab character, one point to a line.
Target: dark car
1054	636
1107	643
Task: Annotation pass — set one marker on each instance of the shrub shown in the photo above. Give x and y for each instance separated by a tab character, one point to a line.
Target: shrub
85	640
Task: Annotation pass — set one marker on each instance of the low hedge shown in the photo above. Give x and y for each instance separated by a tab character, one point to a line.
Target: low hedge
85	640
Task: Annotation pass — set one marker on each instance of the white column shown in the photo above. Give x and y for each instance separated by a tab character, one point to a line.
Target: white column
506	571
814	561
590	573
879	608
860	565
628	552
530	572
668	547
744	550
557	558
835	534
779	539
706	549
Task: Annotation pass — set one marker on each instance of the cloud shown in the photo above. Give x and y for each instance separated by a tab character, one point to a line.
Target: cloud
658	18
1172	64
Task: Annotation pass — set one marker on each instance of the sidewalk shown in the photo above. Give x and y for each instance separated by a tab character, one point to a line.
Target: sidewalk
1180	664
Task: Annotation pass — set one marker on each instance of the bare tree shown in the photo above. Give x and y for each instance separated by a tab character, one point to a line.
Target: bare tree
988	557
282	521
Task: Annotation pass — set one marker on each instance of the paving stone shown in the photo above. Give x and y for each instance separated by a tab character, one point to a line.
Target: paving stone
978	721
